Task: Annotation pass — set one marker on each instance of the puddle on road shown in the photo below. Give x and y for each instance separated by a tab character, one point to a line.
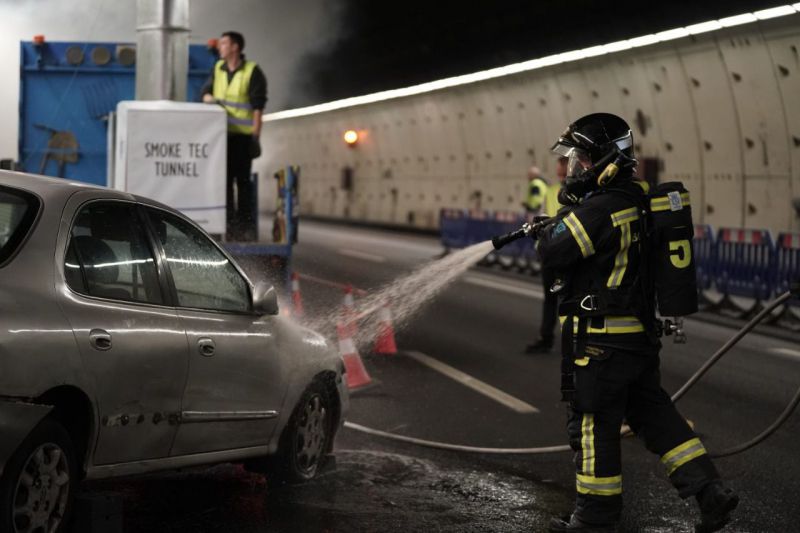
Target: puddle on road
367	491
379	491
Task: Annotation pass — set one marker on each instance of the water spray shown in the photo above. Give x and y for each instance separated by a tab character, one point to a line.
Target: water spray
528	230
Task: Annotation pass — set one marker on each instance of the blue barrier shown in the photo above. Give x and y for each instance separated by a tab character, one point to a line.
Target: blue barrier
504	222
737	262
787	262
453	226
478	228
745	263
705	255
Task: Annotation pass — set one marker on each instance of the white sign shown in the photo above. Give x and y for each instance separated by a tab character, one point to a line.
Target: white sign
174	152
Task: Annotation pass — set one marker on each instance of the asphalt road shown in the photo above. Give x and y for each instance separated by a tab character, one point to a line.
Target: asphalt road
479	327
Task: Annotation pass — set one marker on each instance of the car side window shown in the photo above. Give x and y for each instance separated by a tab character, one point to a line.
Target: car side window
203	276
108	255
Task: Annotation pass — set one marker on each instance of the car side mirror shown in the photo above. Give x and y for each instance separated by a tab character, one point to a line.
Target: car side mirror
265	299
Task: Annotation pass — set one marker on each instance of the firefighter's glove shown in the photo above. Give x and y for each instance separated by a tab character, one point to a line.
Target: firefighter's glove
255	147
540	225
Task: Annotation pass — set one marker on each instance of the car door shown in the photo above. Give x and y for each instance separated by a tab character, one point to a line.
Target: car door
234	385
130	339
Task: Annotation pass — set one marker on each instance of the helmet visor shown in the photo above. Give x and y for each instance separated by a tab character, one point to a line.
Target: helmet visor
578	161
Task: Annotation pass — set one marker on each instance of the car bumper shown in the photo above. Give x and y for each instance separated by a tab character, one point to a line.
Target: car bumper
17	420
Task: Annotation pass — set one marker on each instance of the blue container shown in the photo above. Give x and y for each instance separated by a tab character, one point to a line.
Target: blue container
67	90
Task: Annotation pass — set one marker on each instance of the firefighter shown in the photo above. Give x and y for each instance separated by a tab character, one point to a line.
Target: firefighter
537	190
610	346
549	312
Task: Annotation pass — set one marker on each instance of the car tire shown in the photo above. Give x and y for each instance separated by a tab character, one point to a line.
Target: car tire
306	440
39	480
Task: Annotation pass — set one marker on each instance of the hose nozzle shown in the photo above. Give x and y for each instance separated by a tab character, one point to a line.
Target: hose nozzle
526	230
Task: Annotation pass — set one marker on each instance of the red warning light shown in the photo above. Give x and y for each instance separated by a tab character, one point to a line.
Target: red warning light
351	137
212	44
38	39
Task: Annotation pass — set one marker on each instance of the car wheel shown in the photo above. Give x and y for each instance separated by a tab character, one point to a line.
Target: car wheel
307	437
38	482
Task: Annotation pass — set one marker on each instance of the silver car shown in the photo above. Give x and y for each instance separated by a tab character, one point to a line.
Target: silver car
131	342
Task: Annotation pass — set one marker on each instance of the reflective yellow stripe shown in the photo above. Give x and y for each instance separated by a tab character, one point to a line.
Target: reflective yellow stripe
618	325
622	220
587	444
663	204
599	486
612	325
682	454
621	260
626	216
583	361
579	234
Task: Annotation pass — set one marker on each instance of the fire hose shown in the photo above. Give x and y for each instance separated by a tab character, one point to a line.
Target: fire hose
530	229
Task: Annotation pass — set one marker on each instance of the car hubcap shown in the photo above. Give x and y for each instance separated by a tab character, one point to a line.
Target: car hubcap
40	498
311	435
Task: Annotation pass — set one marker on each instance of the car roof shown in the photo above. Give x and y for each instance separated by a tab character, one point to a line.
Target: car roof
50	189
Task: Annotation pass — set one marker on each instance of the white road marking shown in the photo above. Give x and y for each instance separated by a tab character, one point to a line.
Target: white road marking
505	287
475	384
794	354
362	255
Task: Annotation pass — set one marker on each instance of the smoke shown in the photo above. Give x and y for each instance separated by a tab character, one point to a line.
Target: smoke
278	35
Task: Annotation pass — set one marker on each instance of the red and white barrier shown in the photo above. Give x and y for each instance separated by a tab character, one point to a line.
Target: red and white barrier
355	372
297	299
385	343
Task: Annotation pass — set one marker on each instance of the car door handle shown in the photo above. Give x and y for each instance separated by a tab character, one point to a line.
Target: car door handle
206	347
100	339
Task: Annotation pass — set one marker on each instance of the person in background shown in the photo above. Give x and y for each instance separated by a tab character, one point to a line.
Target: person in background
537	189
240	87
549	306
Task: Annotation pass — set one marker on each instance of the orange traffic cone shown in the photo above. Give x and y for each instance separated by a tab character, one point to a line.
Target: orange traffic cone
356	373
349	315
297	299
385	343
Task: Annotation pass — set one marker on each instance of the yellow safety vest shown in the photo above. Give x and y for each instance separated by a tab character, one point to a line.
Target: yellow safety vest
234	96
551	203
535	199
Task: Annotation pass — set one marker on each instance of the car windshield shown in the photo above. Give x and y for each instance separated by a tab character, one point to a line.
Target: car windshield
17	213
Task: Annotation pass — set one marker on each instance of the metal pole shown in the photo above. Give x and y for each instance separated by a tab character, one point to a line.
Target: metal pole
162	37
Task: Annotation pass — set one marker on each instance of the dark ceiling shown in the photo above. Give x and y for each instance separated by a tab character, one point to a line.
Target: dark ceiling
384	45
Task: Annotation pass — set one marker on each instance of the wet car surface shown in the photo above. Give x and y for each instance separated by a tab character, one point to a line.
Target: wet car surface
132	342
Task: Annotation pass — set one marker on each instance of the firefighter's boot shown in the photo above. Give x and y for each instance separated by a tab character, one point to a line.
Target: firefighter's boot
716	504
573	523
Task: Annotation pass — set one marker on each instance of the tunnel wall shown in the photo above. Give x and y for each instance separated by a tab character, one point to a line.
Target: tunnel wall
719	111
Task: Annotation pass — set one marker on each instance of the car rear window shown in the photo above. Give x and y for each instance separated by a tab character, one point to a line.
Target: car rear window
17	213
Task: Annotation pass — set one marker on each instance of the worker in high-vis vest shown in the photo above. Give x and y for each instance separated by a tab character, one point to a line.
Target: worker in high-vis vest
240	87
537	189
547	327
551	203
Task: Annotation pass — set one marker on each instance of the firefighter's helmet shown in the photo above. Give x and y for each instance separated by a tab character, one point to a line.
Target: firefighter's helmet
597	146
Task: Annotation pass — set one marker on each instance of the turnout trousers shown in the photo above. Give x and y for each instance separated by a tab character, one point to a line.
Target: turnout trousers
616	385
